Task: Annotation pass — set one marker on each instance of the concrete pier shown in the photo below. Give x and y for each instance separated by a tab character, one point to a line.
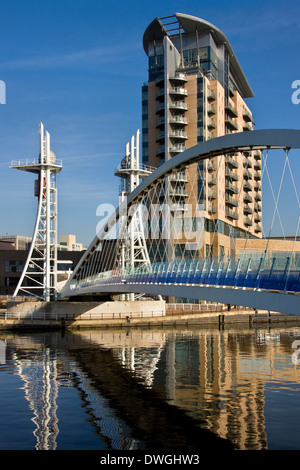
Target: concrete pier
137	314
85	310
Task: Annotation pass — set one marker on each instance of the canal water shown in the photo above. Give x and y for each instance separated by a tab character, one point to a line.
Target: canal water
150	389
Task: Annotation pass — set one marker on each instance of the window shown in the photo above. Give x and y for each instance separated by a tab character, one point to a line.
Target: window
14	266
209	251
11	281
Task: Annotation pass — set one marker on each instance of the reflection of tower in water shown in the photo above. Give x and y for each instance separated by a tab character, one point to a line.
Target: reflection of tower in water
142	361
43	374
215	377
41	390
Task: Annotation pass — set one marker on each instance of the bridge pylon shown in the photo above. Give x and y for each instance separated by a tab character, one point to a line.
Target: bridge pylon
39	276
132	248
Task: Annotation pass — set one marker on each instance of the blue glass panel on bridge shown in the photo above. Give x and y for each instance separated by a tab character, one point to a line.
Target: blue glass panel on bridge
262	273
293	282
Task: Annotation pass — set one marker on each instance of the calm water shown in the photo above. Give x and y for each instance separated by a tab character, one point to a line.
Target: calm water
150	389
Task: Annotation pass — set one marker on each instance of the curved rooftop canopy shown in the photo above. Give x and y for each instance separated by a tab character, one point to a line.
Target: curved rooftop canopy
157	30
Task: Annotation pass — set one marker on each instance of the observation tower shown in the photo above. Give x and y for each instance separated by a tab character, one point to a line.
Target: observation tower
132	248
39	276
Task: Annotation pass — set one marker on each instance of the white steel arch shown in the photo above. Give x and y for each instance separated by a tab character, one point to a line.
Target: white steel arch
243	141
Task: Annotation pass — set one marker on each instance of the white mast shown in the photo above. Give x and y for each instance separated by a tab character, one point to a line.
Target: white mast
132	250
39	276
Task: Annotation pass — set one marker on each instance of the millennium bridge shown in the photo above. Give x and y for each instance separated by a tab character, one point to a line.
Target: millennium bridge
153	244
264	280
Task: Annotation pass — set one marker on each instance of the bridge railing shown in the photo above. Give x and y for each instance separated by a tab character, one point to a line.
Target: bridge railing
251	272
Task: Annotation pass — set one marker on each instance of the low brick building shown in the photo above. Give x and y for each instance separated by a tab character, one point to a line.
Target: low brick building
12	262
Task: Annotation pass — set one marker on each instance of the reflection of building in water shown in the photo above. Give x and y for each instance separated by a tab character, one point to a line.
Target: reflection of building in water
39	375
220	376
204	374
217	376
208	381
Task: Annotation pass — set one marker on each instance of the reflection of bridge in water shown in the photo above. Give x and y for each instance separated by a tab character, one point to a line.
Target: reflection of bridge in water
124	411
129	382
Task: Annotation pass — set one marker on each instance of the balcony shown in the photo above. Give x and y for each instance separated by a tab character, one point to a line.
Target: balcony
211	166
231	162
211	110
177	148
231	214
180	120
247	174
257	175
178	105
212	209
231	188
231	124
258	197
248	198
178	91
178	78
247	162
246	126
211	194
160	108
231	201
248	221
257	186
160	136
179	206
247	116
247	209
257	207
211	124
231	111
257	155
257	165
160	93
178	192
180	177
211	95
258	228
247	186
181	135
212	181
160	122
231	175
257	217
161	150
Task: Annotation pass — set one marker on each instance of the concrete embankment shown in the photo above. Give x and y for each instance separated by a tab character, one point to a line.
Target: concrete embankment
79	315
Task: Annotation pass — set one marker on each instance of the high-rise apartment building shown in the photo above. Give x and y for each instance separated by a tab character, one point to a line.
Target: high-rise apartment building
196	91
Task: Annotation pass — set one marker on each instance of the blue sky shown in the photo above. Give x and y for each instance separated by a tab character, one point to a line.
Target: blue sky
78	66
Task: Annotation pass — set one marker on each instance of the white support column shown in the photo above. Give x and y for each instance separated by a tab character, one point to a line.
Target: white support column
133	251
39	276
48	220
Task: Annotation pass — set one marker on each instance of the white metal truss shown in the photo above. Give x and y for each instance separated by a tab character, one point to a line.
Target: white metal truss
82	281
39	276
132	248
